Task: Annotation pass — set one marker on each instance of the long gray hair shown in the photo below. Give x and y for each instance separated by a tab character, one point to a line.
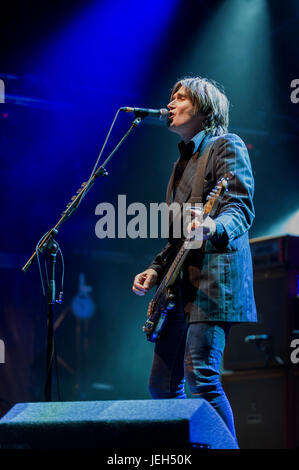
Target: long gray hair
209	100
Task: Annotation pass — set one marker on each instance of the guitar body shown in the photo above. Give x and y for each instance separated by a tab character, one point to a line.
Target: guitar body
158	310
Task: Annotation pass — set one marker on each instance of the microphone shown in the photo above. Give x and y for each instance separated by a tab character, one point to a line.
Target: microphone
143	112
263	337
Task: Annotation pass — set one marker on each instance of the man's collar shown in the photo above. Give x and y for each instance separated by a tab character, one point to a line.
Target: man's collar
197	139
186	150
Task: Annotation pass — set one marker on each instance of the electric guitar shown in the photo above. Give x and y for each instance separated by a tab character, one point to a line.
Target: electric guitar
164	299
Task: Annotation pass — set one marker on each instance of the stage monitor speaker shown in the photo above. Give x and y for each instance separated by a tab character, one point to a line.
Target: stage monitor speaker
265	405
276	294
157	424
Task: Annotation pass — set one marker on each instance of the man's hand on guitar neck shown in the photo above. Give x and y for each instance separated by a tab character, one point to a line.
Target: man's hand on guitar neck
202	230
144	281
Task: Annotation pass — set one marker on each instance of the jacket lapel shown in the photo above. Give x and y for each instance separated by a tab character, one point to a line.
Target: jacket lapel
185	185
169	192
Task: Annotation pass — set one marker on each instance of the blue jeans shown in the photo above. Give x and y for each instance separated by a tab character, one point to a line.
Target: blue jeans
191	352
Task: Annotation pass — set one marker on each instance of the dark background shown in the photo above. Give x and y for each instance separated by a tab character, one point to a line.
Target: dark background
67	67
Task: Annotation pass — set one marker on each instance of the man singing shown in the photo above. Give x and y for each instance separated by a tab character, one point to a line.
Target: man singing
215	286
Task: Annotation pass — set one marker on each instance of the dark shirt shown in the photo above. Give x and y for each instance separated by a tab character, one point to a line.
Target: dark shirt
186	152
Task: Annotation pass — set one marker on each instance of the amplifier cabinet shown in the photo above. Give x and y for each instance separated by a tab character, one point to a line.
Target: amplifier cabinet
271	252
265	407
277	303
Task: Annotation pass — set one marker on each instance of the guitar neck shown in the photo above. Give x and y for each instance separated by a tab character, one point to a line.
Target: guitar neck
208	209
172	273
176	265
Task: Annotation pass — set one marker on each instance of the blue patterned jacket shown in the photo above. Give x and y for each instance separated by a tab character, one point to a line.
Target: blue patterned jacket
217	283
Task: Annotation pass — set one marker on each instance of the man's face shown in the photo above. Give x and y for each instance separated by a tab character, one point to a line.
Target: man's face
182	118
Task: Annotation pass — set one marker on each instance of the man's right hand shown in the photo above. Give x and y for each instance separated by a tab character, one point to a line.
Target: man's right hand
144	281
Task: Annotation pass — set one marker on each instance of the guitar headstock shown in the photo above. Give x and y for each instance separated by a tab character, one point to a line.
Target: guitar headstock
217	192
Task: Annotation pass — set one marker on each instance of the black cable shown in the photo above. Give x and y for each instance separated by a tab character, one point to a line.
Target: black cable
62	276
38	262
53	352
96	163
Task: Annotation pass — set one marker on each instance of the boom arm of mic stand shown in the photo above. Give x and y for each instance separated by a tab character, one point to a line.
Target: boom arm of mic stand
75	203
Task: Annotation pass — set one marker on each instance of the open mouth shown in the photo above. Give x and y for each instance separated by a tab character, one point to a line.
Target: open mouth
170	117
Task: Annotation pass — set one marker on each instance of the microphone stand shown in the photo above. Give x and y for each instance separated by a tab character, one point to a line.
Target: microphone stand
50	246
